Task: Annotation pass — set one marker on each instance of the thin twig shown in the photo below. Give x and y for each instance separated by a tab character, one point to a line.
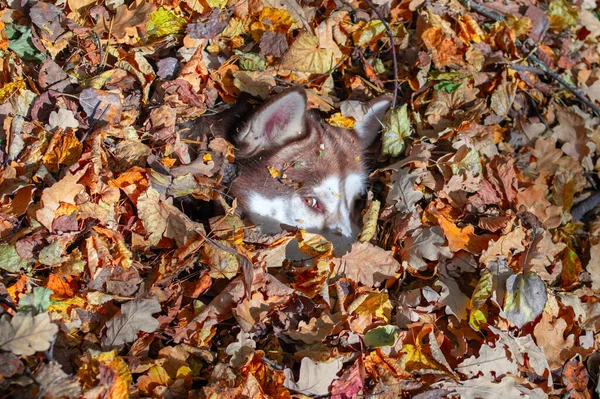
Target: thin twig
527	68
392	45
272	363
486	12
566	84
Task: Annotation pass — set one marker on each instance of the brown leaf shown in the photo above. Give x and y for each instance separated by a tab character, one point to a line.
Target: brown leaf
64	149
101	105
65	190
273	44
54	382
368	264
134	316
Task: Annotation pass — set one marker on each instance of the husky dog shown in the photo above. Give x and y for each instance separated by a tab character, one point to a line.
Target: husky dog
295	169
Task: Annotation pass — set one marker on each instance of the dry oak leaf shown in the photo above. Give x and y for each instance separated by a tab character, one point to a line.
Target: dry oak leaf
63	119
485	387
241	349
257	83
526	352
134	316
550	336
65	190
161	218
10	365
56	383
547	155
402	191
27	334
505	246
315	378
368	264
128	18
317	329
424	245
455	300
533	199
492	362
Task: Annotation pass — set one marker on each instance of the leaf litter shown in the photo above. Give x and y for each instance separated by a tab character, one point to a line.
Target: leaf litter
477	270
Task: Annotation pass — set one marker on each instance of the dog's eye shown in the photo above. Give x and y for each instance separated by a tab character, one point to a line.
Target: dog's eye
313	203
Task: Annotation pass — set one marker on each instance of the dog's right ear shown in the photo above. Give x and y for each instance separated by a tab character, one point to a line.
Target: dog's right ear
277	122
369	127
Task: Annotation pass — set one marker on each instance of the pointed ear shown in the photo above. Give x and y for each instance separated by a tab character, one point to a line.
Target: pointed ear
371	123
279	121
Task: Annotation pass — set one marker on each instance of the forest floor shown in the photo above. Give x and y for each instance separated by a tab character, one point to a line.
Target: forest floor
476	275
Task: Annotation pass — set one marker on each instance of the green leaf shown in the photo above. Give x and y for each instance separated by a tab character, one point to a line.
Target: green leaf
37	301
51	255
20	41
439	75
10	259
526	298
251	61
396	126
164	22
447	86
381	336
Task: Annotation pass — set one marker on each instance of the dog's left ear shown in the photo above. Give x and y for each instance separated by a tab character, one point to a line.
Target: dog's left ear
276	123
372	121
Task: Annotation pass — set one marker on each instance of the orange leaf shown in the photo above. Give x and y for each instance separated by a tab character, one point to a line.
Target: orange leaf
62	286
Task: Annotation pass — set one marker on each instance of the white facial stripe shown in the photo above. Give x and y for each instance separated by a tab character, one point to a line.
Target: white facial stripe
336	196
354	186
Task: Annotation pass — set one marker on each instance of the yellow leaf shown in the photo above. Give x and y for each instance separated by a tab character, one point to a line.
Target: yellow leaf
482	292
279	19
370	222
372	31
469	29
521	26
315	245
373	303
64	307
273	172
562	15
165	22
338	120
11	88
223	264
120	379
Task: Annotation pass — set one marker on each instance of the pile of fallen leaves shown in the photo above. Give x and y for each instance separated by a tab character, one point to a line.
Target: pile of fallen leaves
471	278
